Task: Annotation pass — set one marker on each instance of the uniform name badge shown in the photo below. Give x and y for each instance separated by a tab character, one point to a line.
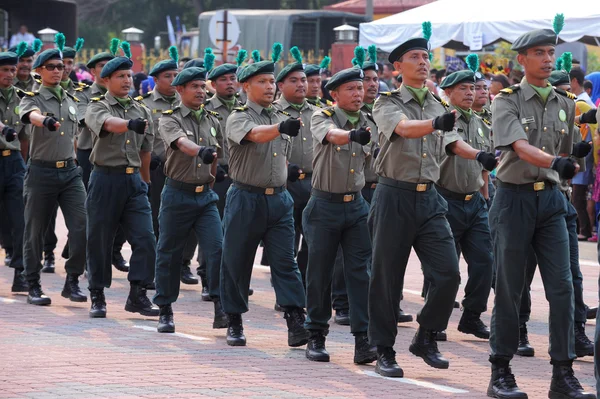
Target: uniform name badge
480	132
72	110
189	133
562	115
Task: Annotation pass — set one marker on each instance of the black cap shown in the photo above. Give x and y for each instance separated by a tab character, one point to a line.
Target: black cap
418	43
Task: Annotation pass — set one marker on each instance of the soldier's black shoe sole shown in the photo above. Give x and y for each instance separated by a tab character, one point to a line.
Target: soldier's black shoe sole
320	357
513	395
394	373
190	281
236	341
527	352
39	301
73	298
405	318
477	333
437	364
144	312
342	320
166	328
97	314
297	339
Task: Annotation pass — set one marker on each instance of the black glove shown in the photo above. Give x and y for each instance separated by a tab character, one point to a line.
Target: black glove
487	159
588	117
581	149
82	123
444	122
207	154
376	152
293	172
220	176
361	136
564	166
291	127
137	125
50	122
154	162
9	133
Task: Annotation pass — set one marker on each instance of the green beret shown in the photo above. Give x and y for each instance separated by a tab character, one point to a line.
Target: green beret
221	70
417	43
164	65
538	37
465	76
104	56
116	64
258	68
312	69
47	55
370	66
8	58
344	76
559	78
28	53
296	66
196	62
189	74
69	52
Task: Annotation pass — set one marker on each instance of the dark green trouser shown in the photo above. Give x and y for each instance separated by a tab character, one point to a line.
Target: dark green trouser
300	192
44	187
402	219
471	230
12	173
183	214
520	219
327	226
249	218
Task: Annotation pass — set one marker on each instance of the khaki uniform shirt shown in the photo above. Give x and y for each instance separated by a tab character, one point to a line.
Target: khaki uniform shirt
157	104
370	175
71	88
84	140
521	115
214	104
465	175
410	160
9	116
260	165
337	168
46	145
302	144
319	102
111	149
25	85
181	122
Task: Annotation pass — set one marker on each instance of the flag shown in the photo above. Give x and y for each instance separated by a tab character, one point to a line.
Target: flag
172	38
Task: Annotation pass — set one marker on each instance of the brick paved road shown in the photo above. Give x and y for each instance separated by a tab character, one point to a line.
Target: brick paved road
58	352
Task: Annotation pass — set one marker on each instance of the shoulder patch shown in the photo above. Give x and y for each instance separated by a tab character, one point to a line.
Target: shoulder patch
440	100
512	89
138	98
565	93
72	96
241	109
213	113
329	103
168	112
328	111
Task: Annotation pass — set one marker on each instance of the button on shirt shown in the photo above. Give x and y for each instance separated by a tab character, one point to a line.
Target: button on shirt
260	165
414	160
206	132
9	116
214	104
157	104
522	115
46	145
112	149
302	145
337	168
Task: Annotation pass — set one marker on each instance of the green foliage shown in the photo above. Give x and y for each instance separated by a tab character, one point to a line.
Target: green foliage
593	62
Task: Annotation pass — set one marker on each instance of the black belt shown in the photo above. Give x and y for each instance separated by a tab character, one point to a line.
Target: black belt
259	190
188	187
54	165
455	195
420	187
334	197
116	170
529	187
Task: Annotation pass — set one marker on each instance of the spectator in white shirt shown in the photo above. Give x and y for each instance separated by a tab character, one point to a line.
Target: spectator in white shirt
577	78
22	36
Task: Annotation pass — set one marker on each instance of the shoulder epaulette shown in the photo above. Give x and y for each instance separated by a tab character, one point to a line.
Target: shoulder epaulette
241	109
147	94
284	113
329	103
38	80
169	111
565	93
72	96
328	111
36	75
96	99
214	113
81	84
391	93
486	122
23	93
512	89
138	98
440	100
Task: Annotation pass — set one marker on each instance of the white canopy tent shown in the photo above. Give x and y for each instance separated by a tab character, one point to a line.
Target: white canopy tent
466	24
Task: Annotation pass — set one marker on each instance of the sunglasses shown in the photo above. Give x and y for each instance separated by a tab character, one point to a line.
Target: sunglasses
52	67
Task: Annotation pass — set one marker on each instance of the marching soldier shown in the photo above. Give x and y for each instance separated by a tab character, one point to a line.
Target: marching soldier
533	125
53	176
314	81
23	79
336	214
259	206
192	135
118	188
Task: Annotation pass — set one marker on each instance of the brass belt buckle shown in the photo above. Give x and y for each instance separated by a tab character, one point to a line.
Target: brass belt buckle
422	187
129	171
199	189
302	176
5	153
468	197
269	191
60	164
348	197
539	186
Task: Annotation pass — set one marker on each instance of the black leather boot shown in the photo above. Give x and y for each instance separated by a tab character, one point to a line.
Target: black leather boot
441	336
342	317
363	351
297	335
503	384
49	262
98	308
220	320
583	345
165	319
186	274
524	348
315	349
71	289
205	294
235	330
425	346
19	283
403	317
564	384
138	302
119	262
36	295
386	363
470	323
590	312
